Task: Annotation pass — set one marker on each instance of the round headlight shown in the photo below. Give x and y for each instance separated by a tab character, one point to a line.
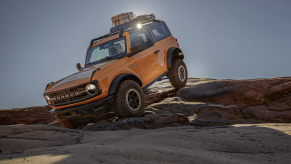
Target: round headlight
90	88
47	98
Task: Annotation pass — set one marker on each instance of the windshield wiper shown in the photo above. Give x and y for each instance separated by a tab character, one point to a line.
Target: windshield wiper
108	57
90	63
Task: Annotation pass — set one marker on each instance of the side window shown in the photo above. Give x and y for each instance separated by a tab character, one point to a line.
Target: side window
160	32
143	38
120	46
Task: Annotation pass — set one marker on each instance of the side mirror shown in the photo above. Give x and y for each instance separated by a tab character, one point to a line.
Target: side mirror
79	66
135	49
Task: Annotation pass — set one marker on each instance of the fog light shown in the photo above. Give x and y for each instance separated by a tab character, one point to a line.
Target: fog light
90	88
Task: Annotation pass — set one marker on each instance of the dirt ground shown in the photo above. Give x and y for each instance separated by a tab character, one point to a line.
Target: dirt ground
238	143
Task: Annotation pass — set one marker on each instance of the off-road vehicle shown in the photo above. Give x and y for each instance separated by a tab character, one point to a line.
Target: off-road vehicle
118	69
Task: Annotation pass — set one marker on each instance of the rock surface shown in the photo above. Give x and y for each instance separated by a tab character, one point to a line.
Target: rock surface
247	143
17	138
30	115
203	102
208	121
208	102
254	100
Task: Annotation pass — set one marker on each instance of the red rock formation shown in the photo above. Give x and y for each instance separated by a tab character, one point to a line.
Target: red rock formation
257	99
242	93
202	102
30	115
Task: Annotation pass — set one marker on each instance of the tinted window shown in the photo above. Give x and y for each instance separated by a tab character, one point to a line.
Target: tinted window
160	32
143	38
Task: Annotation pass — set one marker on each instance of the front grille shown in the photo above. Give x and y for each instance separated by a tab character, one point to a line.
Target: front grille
71	95
68	91
96	107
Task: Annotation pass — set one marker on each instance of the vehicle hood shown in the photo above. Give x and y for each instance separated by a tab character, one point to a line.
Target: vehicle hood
77	78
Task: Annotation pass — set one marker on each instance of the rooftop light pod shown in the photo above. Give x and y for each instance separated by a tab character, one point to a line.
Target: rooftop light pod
138	25
128	20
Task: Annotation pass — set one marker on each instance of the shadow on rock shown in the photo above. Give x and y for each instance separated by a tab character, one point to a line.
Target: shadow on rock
151	121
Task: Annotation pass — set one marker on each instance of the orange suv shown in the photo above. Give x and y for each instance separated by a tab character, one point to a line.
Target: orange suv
118	69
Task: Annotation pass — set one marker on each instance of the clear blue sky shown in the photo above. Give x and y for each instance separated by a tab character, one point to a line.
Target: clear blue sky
41	41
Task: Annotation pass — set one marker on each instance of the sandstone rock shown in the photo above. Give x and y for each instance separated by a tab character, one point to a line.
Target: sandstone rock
242	93
202	102
148	122
239	143
218	113
208	122
256	99
174	120
17	138
262	113
30	115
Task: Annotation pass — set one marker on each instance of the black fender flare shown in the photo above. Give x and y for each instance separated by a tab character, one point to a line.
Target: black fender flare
114	84
170	53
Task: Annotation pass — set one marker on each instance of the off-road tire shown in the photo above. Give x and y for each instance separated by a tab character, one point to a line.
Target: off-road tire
131	91
74	123
175	77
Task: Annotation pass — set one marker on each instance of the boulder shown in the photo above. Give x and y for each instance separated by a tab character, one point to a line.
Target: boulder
242	93
17	138
152	121
202	102
29	115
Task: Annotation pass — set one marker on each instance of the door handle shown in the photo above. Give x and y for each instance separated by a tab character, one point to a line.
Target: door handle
157	51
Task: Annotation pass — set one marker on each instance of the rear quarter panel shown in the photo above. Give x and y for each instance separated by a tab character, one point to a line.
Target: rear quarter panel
164	45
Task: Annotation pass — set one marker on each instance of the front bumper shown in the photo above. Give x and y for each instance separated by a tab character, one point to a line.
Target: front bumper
86	110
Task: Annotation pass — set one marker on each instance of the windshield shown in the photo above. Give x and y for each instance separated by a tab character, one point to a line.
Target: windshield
106	50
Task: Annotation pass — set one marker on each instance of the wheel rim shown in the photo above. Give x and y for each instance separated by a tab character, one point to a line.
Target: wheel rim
133	99
181	73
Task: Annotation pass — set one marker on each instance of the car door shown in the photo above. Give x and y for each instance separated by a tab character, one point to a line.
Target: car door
148	61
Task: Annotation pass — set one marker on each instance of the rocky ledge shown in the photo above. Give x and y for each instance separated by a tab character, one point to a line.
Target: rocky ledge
28	116
203	102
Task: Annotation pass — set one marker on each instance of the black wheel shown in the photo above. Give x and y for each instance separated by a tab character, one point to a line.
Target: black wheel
74	123
128	100
178	74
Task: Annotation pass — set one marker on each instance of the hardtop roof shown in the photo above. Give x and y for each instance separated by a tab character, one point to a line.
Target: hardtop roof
124	27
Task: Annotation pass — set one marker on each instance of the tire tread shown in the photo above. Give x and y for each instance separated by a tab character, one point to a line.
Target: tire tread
118	108
173	74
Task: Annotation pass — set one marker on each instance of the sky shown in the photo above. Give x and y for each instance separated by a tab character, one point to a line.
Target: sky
41	41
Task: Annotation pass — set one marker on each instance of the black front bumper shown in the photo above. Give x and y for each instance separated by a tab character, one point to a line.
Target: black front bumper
90	109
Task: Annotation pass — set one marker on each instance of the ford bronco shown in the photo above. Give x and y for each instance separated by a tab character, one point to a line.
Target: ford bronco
118	69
